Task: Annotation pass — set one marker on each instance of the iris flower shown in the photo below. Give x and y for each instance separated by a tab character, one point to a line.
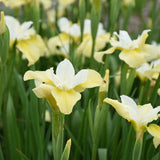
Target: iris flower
65	3
15	3
27	41
154	130
133	52
149	71
85	47
138	115
59	45
62	90
18	3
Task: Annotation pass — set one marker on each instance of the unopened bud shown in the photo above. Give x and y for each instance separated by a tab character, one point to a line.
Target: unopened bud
2	24
103	88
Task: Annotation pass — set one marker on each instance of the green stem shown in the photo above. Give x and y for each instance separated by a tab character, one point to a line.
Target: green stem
57	133
123	78
137	150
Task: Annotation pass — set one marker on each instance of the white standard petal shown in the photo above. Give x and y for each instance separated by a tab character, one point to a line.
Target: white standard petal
100	30
65	71
132	106
24	31
64	24
87	26
155	62
148	113
75	30
54	78
12	24
124	39
80	78
144	67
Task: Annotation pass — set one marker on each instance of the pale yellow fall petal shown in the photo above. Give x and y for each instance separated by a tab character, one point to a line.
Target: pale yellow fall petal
37	75
99	55
65	100
85	47
44	91
151	52
154	130
122	110
94	79
32	48
133	58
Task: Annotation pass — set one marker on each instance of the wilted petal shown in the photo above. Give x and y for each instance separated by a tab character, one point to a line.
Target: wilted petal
65	100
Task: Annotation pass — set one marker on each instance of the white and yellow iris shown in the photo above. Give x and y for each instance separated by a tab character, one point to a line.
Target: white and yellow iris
65	3
59	45
62	90
15	3
154	130
18	3
73	31
133	52
138	115
27	41
149	71
127	3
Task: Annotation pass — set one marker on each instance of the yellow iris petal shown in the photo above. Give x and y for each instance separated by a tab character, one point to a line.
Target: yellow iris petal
44	91
154	130
134	58
94	79
99	55
65	99
32	48
37	75
121	109
85	47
